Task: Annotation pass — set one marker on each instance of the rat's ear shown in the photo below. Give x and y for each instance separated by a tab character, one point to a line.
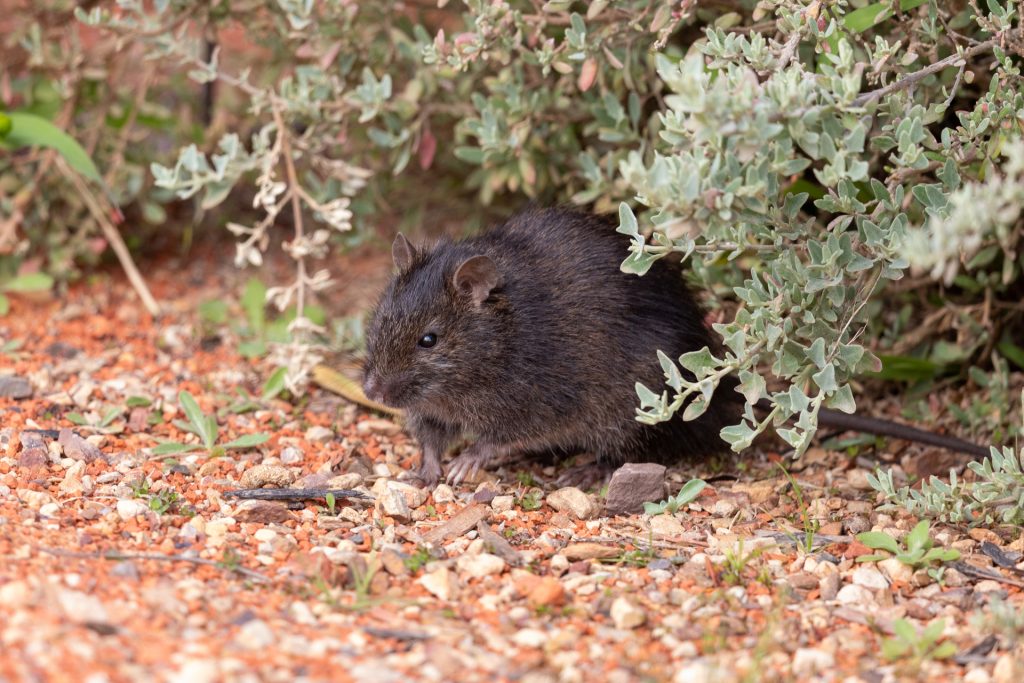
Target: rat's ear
402	252
476	277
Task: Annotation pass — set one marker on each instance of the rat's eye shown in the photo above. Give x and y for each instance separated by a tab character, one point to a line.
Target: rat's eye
427	340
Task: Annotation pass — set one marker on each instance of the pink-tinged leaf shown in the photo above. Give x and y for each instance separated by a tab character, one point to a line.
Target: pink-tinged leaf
330	55
587	75
428	147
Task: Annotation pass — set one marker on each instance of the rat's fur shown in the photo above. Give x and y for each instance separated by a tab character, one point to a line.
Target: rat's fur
540	338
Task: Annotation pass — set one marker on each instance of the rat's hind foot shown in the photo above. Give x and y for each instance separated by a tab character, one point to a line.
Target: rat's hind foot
474	458
591	475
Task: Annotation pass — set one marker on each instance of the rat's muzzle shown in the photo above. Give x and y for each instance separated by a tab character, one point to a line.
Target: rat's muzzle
383	390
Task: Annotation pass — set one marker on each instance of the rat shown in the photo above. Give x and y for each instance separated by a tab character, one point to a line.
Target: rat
529	339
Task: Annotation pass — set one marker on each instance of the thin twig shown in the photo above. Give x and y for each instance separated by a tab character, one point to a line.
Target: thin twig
293	181
788	50
113	237
117	555
913	78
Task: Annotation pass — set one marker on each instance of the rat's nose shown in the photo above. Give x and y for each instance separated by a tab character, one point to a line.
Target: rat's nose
373	387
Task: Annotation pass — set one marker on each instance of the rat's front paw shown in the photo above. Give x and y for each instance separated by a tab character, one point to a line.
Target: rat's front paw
469	462
430	472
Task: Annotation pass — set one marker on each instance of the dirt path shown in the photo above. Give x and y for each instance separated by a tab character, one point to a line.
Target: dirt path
120	565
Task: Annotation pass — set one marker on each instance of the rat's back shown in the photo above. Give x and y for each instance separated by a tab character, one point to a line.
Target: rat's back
588	331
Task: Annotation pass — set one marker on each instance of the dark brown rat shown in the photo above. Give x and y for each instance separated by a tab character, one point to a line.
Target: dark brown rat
529	339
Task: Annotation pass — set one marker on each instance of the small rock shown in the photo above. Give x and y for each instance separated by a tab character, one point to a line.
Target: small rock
807	662
316	480
258	476
128	508
414	495
438	583
458	524
697	672
589	551
804	581
378	426
34	458
443	493
138	420
29	438
50	510
896	570
484	495
318	434
626	615
255	635
666	525
197	671
393	563
349	480
1007	670
634	484
982	534
497	545
857	478
870	578
977	675
724	508
34	499
392	503
758	492
988	586
126	569
530	637
82	608
660	564
919	608
77	448
217	528
15	594
72	485
291	455
263	512
572	500
479	566
548	591
855	595
13	386
857	524
503	503
954	579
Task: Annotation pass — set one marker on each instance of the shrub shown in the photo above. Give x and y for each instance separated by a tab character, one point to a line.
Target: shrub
807	157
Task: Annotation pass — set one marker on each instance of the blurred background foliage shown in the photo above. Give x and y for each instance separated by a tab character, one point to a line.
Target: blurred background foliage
843	175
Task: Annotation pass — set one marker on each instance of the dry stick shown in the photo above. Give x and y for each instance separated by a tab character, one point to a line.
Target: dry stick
788	51
117	555
293	181
113	237
913	78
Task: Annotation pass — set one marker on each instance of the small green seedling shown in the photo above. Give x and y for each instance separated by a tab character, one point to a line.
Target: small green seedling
102	423
810	524
686	495
205	427
917	647
417	560
918	552
530	501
